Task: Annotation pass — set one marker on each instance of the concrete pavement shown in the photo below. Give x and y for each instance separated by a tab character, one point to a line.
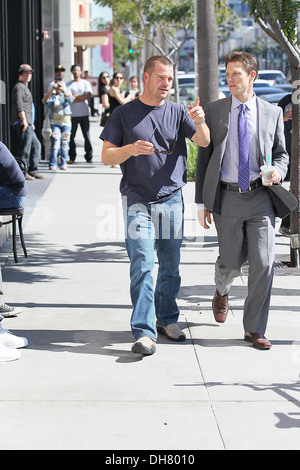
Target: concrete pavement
77	384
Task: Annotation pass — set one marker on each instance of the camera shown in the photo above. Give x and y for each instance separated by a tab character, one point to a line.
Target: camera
57	85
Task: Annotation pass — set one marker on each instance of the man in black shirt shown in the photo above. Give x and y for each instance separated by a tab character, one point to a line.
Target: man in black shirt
22	120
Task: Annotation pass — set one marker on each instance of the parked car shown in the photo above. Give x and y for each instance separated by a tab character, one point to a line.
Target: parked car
268	90
274	98
258	90
187	79
261	83
258	82
222	79
286	87
187	94
274	76
224	90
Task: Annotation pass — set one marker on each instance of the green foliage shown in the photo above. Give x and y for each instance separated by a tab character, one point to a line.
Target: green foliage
142	15
121	51
142	19
146	20
170	12
226	18
192	149
283	11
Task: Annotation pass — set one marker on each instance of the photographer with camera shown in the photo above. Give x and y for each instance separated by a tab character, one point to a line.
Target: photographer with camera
58	101
58	77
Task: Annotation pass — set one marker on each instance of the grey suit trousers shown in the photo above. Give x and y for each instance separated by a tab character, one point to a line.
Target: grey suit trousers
246	232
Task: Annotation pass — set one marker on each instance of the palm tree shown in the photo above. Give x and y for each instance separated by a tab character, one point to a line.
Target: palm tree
207	50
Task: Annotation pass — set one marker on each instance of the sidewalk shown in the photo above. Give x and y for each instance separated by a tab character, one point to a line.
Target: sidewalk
77	384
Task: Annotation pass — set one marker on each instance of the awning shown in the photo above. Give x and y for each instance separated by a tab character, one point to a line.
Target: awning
90	38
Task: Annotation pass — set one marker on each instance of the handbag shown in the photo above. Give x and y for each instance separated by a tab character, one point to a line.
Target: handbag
104	118
284	202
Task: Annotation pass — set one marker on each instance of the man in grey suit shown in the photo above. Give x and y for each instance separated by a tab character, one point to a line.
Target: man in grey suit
246	132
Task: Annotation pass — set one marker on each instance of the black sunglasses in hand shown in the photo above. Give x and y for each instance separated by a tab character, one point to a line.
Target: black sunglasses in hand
164	152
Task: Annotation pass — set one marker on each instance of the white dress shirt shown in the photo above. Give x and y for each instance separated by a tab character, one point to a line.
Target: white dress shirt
230	162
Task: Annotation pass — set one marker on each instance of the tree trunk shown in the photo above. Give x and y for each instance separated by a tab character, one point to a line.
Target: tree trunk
295	150
207	51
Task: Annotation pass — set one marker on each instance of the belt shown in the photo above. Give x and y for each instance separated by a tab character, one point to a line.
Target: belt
235	187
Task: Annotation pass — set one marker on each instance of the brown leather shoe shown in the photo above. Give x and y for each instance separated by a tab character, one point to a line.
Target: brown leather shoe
38	176
220	307
259	341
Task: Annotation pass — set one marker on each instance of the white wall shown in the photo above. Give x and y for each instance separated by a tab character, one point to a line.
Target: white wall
66	36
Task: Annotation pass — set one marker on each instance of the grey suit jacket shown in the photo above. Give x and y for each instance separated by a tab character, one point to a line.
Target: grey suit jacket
271	141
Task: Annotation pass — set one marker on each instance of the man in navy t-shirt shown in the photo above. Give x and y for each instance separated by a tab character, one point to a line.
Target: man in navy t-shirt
13	185
146	137
13	189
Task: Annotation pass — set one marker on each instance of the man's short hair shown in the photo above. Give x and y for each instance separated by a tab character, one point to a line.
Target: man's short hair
76	65
150	63
248	60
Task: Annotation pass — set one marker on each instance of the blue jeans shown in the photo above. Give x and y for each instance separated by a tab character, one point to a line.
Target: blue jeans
157	225
28	147
60	141
9	200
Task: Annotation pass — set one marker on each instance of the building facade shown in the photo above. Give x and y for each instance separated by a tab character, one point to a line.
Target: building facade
44	34
29	33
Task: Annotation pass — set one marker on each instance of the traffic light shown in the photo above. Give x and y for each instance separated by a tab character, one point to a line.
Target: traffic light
130	50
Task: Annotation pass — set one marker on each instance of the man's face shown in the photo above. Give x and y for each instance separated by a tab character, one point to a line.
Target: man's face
239	82
134	83
60	74
160	81
25	77
76	72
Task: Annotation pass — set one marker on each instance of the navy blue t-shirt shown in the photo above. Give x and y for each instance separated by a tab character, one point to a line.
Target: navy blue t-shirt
150	178
11	175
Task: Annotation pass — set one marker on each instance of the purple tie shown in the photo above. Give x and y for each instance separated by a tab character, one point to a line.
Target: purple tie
244	178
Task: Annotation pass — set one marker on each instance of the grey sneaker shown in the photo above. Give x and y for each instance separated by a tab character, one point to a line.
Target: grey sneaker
144	346
7	311
172	331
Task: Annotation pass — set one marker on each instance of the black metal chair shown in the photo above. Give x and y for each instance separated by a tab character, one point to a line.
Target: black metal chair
16	214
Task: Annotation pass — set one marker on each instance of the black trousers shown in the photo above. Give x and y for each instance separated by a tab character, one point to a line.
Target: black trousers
84	123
